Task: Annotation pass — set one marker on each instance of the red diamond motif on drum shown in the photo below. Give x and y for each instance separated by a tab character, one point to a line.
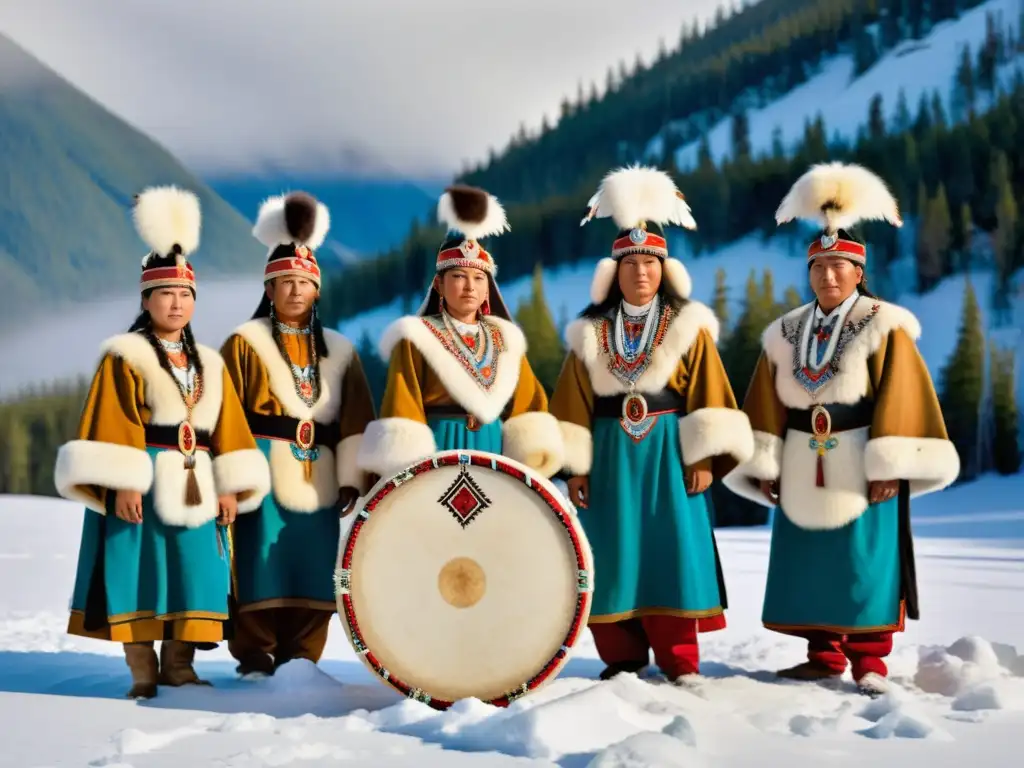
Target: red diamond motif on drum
464	499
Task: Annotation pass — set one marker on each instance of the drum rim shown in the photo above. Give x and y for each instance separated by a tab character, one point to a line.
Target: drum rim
562	511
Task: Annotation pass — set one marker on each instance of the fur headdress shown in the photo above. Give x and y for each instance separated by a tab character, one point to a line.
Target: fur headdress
168	220
293	227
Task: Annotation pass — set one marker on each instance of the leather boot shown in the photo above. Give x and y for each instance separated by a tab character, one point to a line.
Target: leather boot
809	670
141	660
176	659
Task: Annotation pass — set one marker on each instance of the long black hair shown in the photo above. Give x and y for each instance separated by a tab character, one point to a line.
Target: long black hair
265	310
143	325
615	296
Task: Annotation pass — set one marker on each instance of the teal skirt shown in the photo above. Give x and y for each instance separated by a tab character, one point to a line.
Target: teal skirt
653	545
451	435
285	558
844	580
149	570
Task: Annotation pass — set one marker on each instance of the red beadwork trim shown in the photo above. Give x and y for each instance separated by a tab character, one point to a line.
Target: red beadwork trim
167	277
294	266
840	248
652	241
583	598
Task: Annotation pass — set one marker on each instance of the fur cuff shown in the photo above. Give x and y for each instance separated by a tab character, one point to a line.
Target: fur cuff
534	439
390	445
764	464
109	466
713	432
579	449
245	473
349	473
929	463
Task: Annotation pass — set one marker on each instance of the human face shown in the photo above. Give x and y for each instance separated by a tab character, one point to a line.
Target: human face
464	290
639	278
833	280
293	297
170	309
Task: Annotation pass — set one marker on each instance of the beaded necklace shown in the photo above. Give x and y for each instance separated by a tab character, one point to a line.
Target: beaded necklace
305	378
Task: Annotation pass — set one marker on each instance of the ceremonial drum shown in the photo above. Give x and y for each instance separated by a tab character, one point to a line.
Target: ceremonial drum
467	575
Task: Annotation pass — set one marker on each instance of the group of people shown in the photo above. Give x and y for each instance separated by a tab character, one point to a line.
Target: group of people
215	481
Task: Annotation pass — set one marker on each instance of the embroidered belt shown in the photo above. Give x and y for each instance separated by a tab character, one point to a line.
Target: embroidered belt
842	417
453	411
666	401
166	436
287	428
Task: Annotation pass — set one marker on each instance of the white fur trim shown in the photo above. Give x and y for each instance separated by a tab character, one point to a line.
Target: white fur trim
765	463
390	445
107	465
535	440
579	448
271	230
929	463
682	332
851	383
607	272
168	216
258	335
855	193
288	483
244	471
346	455
715	432
494	222
844	497
161	391
170	477
636	194
460	386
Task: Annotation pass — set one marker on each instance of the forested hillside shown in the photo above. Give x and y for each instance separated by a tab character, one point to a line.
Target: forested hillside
70	169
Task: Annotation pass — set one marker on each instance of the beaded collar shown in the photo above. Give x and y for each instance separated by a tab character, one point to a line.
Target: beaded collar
481	361
628	361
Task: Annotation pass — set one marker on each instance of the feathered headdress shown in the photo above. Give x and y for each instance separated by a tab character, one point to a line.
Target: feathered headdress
293	227
640	201
168	219
837	196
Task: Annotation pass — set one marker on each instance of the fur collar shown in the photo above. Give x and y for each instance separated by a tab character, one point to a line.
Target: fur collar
162	396
485	405
682	332
868	323
332	370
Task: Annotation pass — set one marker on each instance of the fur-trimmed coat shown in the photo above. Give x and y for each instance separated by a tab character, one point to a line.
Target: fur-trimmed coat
877	358
264	382
713	433
422	373
131	390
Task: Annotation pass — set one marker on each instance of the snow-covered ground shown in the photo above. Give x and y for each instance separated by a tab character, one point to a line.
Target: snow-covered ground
958	679
915	66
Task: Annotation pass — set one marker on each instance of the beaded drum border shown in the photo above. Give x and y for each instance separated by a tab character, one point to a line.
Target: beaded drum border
584	576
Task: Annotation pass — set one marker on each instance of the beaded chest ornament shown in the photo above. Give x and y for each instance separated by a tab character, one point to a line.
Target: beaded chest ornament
190	387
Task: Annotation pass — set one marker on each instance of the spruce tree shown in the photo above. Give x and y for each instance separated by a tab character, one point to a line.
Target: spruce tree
964	95
876	118
1004	240
720	301
15	447
1006	453
544	345
962	385
376	370
791	299
902	120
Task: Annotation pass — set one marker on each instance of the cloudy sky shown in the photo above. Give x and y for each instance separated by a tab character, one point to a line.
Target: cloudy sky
418	86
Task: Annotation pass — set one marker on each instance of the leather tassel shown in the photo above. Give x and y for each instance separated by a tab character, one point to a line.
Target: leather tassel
307	468
820	479
193	498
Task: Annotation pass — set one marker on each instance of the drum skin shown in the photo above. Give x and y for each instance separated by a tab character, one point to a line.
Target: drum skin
465	576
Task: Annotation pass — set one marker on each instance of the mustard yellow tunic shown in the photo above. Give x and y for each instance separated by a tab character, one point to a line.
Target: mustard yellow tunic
286	554
168	577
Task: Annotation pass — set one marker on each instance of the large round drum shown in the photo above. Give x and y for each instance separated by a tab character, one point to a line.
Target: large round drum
466	575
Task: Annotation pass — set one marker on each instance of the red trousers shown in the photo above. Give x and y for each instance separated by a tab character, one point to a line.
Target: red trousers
865	651
672	638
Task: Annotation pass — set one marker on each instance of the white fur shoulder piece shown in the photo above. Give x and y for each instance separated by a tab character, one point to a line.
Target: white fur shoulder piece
486	405
258	335
161	391
682	332
868	323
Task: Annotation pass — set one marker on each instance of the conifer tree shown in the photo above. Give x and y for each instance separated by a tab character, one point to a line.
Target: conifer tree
964	91
791	299
902	120
720	301
544	345
16	472
1006	453
376	370
1004	240
962	385
876	118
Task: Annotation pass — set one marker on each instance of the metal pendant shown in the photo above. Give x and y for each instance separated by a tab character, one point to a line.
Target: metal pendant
634	408
305	434
186	439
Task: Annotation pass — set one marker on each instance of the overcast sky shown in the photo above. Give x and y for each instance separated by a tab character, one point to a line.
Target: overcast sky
418	85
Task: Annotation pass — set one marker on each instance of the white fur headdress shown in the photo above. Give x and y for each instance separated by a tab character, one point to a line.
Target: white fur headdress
837	196
293	219
168	220
634	195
